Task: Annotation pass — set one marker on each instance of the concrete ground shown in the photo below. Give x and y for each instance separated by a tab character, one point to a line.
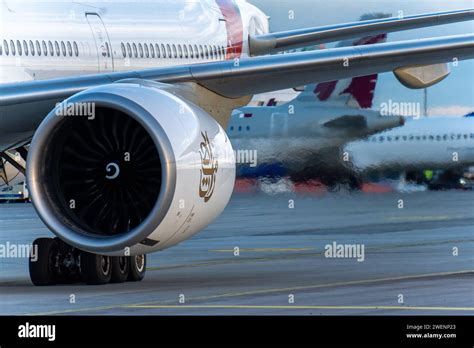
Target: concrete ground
417	260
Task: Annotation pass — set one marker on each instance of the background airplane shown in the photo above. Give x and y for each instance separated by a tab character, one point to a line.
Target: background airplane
303	138
434	143
290	14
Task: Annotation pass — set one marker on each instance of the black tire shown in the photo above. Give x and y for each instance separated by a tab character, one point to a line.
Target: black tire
96	269
42	270
137	268
120	269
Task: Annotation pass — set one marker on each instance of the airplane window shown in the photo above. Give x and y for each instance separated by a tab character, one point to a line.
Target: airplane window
418	138
157	49
12	47
191	52
248	128
411	137
129	50
240	128
453	137
397	138
147	52
206	50
76	49
63	48
45	48
459	136
232	128
404	138
32	48
175	52
438	137
223	52
38	48
196	52
135	52
18	47
5	45
211	52
152	51
124	52
180	51
201	52
472	135
163	51
51	48
56	47
424	137
389	138
140	49
381	139
25	47
69	48
431	137
186	54
168	51
445	137
465	136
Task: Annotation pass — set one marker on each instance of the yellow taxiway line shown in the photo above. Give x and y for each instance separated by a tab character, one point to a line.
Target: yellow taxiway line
299	307
268	291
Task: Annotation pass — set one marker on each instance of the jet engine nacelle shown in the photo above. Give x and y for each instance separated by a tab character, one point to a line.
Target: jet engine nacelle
129	167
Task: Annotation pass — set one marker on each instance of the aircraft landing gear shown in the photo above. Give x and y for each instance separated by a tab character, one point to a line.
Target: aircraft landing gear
56	262
137	268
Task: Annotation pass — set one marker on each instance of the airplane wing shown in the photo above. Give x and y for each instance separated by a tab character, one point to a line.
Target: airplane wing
285	40
24	105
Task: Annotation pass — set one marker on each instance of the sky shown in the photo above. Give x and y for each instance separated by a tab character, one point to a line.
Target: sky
452	97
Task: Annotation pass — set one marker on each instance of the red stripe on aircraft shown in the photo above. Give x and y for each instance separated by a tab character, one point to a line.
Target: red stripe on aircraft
234	26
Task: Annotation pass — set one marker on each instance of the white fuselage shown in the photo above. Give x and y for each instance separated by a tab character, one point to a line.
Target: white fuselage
45	40
434	143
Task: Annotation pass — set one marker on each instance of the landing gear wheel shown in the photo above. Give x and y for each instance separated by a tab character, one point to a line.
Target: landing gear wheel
96	269
137	268
43	267
120	269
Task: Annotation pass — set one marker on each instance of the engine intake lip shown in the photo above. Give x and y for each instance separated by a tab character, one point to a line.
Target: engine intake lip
48	209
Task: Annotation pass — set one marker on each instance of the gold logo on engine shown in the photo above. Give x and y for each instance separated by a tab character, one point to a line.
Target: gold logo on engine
209	167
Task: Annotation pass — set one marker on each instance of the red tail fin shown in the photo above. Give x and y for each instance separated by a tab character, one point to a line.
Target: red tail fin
359	89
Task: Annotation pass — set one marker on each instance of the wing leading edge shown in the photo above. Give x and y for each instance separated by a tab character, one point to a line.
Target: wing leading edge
285	40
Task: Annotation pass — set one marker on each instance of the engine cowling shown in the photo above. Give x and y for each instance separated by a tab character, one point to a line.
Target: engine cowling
129	167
